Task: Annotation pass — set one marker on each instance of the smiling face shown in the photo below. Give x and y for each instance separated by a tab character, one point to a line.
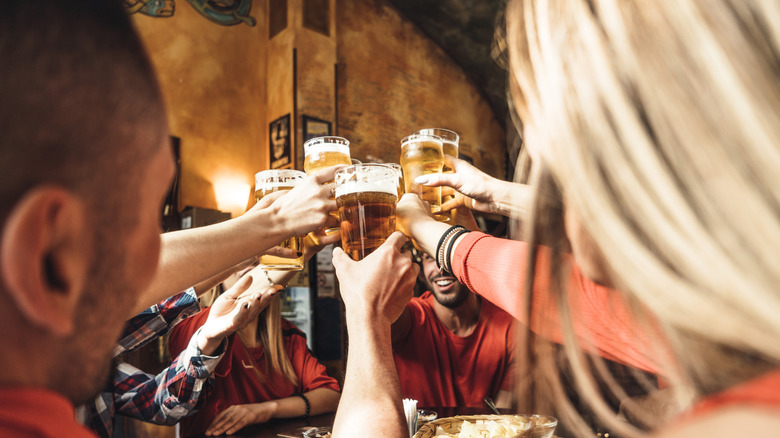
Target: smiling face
444	286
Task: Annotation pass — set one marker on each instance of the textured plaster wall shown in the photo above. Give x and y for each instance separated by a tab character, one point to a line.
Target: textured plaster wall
393	80
214	81
223	85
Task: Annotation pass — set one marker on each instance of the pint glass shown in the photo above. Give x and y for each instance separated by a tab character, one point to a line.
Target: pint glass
323	152
400	172
267	182
366	195
422	155
449	140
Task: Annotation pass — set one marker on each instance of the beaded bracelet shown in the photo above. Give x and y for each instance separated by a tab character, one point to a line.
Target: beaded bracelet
451	244
270	281
442	244
305	400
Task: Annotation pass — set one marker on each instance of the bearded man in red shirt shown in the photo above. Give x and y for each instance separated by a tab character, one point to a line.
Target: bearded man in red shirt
452	347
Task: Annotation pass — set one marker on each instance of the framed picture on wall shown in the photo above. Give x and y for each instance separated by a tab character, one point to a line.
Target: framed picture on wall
314	127
280	152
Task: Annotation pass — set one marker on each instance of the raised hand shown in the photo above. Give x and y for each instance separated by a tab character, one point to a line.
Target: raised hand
232	310
478	190
379	286
307	206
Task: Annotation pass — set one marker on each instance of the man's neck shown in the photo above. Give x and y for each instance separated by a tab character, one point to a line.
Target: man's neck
462	319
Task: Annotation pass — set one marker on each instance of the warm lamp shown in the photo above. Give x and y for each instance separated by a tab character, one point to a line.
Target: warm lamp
232	195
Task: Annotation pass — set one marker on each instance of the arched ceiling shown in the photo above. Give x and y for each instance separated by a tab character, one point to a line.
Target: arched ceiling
465	29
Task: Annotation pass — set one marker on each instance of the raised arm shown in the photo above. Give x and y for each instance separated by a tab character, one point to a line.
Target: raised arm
373	299
190	256
480	191
497	270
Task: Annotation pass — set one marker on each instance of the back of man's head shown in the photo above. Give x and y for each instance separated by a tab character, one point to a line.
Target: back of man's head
75	86
81	117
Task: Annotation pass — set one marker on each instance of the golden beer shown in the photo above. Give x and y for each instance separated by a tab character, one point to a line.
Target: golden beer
450	142
366	195
324	152
422	155
400	172
267	182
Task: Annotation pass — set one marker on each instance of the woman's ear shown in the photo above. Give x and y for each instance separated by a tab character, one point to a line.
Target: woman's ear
45	255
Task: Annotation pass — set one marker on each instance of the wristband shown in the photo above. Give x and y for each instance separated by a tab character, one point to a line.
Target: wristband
305	400
443	244
451	244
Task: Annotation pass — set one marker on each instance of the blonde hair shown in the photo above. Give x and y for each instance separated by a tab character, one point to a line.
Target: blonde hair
271	336
660	123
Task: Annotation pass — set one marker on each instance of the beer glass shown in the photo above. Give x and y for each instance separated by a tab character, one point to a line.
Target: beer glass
449	140
322	152
422	155
400	172
366	195
267	182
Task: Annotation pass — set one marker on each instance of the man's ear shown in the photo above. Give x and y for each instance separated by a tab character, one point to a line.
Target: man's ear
45	255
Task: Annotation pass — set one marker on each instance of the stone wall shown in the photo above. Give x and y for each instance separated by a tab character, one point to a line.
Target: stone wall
393	80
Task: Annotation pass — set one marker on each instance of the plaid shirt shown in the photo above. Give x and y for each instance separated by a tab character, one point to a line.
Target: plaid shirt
149	398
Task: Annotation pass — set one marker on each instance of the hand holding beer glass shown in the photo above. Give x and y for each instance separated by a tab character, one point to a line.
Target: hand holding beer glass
366	195
324	152
422	155
271	181
450	142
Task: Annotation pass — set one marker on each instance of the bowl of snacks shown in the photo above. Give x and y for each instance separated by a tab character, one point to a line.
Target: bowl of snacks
424	416
489	426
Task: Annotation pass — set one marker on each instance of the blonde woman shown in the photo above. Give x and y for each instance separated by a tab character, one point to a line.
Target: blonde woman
656	124
267	372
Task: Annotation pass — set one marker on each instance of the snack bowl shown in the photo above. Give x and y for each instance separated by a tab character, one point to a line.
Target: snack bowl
476	426
425	416
543	425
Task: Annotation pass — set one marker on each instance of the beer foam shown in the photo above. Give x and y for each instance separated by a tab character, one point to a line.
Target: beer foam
383	186
284	185
420	138
327	147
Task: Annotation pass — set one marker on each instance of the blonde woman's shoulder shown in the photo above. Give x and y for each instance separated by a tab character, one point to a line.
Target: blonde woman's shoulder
730	422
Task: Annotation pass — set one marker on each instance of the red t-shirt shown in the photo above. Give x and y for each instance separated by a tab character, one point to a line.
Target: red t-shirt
38	413
438	368
235	381
763	391
495	268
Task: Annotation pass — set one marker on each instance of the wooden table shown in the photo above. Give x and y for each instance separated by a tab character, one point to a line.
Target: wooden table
274	428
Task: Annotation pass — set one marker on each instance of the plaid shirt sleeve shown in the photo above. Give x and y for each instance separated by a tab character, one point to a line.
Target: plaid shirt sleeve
156	321
145	327
170	395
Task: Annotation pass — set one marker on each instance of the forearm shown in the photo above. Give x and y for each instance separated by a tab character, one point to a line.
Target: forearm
426	233
321	400
510	199
188	257
372	391
168	396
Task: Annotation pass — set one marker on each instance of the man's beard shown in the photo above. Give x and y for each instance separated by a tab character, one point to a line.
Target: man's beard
86	355
451	300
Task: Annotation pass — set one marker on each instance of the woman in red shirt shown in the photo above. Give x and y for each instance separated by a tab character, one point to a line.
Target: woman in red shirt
267	372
